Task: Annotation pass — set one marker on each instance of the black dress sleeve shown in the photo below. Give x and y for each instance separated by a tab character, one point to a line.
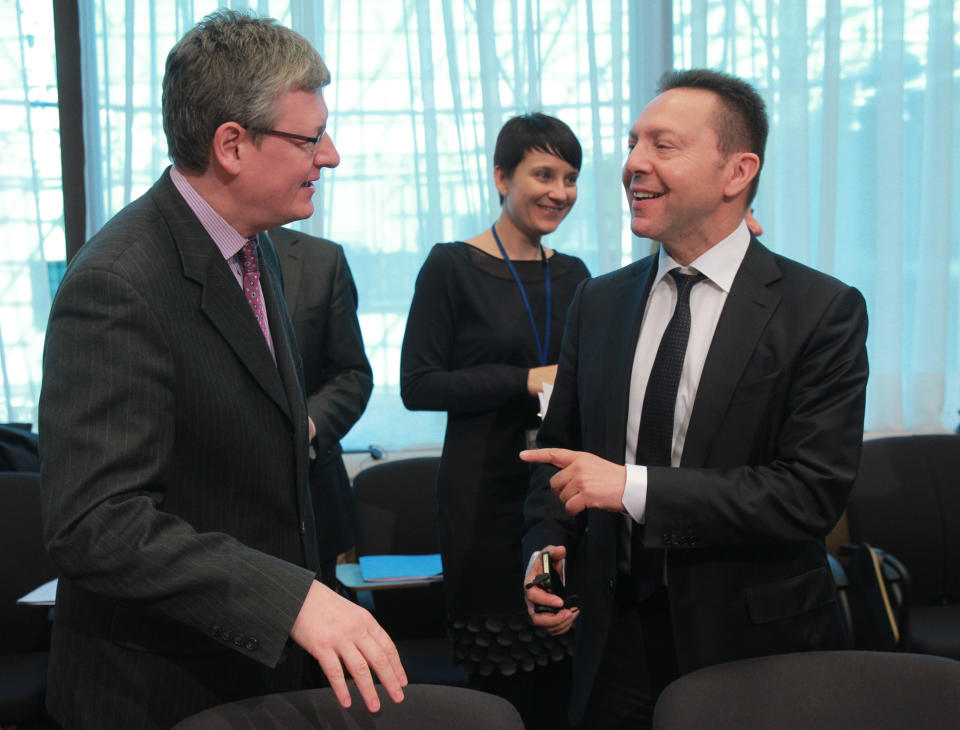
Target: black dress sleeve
429	379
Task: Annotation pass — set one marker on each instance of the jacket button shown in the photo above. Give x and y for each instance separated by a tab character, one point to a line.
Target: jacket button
303	528
252	644
612	584
215	629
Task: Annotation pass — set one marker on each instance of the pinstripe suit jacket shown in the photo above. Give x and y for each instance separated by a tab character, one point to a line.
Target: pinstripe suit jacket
175	463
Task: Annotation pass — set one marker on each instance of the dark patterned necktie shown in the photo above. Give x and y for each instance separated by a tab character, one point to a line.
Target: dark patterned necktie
655	435
251	281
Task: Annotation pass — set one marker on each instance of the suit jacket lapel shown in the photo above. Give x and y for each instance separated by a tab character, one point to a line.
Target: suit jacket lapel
621	317
291	371
748	309
222	299
284	344
628	305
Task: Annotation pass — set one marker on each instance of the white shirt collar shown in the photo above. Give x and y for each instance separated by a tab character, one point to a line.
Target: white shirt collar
719	263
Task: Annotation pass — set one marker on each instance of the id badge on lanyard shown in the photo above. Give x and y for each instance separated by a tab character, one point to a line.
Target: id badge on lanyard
544	345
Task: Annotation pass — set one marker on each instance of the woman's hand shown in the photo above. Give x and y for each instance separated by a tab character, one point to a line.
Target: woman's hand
554	623
536	377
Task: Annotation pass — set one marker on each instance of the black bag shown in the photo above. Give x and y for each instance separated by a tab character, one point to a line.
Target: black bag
18	448
876	598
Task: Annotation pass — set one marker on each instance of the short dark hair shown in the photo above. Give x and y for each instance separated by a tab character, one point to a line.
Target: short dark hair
231	66
742	122
535	131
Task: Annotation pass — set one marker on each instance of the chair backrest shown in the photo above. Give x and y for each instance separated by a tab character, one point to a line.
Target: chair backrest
397	507
397	510
854	690
19	448
24	564
424	706
906	500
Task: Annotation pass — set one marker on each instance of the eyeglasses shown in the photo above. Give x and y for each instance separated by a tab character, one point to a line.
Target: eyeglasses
312	141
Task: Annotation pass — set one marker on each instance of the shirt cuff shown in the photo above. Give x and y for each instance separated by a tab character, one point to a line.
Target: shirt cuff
635	493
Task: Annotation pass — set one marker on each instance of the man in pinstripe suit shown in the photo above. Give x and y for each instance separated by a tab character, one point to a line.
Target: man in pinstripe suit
174	430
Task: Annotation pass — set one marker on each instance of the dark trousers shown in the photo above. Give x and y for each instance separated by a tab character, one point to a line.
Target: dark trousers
638	662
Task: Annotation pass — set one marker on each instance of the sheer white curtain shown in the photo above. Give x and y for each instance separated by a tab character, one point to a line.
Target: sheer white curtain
31	221
862	177
420	89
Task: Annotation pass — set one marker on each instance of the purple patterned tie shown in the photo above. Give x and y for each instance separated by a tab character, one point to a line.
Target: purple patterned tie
251	282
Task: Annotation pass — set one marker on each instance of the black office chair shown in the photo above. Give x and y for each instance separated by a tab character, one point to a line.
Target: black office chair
906	500
397	506
24	630
424	706
397	510
853	690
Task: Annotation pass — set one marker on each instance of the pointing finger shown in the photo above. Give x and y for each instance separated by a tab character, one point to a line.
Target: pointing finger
558	457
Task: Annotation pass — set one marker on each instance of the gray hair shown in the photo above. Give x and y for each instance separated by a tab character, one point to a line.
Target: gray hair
231	67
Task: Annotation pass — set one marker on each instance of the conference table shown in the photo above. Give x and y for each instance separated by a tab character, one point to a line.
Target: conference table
45	595
348	574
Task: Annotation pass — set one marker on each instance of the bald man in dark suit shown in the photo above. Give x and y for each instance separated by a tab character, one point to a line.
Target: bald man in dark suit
705	425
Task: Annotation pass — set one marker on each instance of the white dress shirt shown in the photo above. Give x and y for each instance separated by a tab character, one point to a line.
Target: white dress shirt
720	265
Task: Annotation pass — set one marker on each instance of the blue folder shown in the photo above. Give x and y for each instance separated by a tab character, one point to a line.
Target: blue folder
401	567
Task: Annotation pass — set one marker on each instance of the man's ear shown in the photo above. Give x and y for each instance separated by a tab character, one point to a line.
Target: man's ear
225	148
743	168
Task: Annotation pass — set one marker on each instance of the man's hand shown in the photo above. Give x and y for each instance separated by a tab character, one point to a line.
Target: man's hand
554	623
313	429
584	480
753	225
334	630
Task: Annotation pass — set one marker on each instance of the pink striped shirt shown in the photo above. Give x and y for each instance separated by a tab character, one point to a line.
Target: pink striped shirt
228	241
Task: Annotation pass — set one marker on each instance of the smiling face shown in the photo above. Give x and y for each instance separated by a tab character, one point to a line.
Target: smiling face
539	193
677	181
278	173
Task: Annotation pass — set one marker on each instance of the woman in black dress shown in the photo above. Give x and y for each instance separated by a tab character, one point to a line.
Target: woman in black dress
482	337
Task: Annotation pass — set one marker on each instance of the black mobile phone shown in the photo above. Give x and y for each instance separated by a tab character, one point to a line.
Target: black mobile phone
549	580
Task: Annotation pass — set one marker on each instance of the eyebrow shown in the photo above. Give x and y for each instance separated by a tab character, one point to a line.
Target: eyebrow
654	131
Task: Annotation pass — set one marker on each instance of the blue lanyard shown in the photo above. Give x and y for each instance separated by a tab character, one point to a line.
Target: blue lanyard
541	347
